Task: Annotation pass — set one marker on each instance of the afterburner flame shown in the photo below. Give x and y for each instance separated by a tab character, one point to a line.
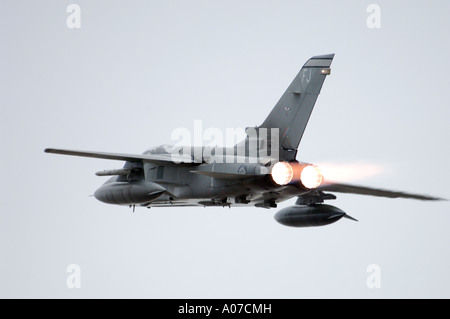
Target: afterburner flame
350	172
311	176
282	173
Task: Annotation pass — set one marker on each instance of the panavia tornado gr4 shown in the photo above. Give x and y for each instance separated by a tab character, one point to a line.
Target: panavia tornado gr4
261	170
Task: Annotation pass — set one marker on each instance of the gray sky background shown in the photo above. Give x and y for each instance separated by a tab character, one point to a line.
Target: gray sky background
136	70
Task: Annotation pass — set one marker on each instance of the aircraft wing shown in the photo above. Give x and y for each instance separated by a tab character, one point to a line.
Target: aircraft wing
146	158
362	190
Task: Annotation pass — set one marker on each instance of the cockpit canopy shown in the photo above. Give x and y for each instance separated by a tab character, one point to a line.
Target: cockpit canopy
160	149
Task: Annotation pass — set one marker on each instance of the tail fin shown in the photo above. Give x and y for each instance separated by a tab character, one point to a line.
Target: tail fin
291	114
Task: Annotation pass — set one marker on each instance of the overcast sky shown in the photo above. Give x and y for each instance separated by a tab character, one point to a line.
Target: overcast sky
136	70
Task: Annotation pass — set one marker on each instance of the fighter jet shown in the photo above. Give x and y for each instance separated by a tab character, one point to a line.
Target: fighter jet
261	170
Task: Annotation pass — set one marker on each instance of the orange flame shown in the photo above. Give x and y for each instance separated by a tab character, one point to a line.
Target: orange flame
349	172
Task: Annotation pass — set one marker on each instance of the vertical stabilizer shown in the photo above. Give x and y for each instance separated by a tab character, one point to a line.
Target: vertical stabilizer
291	114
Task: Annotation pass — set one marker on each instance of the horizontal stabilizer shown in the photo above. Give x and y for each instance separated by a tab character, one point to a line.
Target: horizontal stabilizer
362	190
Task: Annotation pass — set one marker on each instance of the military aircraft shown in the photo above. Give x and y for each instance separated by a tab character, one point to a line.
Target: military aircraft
260	171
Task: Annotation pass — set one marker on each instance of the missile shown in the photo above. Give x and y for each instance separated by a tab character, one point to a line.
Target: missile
114	172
